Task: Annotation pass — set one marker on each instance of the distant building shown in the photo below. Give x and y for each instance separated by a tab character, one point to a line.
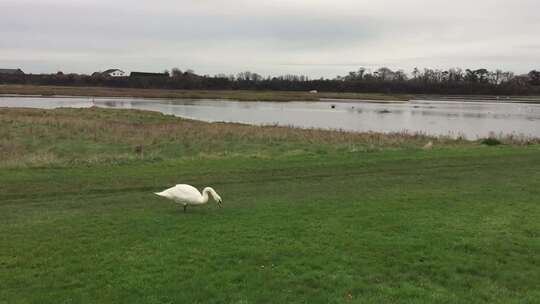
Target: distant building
148	75
113	73
11	72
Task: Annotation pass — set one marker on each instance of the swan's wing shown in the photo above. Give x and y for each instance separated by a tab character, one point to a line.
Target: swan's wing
185	193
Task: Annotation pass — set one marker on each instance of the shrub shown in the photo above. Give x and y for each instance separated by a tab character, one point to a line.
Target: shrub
490	141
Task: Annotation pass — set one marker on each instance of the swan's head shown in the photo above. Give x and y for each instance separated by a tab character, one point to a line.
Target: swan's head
162	194
219	201
214	194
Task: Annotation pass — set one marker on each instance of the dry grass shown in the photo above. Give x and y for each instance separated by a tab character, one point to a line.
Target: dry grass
190	94
33	137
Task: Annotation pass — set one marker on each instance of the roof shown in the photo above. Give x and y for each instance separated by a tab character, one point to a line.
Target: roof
111	71
145	74
11	71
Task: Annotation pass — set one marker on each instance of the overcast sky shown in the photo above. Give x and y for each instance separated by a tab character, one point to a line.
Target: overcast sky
273	37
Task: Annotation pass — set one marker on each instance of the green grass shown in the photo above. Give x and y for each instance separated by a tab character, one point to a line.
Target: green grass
305	221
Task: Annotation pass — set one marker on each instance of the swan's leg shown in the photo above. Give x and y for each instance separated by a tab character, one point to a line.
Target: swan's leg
185	207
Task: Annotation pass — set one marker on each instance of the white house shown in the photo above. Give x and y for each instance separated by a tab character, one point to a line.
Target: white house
114	73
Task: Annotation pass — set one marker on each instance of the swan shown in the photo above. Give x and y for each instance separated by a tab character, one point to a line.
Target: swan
428	146
189	195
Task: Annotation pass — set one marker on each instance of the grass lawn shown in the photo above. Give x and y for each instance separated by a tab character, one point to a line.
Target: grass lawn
309	216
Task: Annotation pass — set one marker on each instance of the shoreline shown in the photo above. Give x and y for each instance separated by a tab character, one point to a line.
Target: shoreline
277	96
450	136
271	96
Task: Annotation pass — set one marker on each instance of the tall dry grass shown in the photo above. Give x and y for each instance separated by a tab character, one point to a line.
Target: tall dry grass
190	94
33	137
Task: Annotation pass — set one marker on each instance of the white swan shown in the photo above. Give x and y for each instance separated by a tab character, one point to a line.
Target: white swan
189	195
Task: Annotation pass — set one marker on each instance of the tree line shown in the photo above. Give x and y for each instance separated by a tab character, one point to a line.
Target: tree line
382	80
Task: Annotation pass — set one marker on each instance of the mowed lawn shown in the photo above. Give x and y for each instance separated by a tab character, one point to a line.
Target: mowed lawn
456	224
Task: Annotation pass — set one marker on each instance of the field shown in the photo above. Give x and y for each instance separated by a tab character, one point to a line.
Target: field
193	94
241	95
309	216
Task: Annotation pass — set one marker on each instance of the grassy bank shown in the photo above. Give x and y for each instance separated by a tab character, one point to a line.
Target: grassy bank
310	216
195	94
33	137
245	95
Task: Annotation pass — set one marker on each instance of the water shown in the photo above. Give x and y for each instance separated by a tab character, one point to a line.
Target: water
471	120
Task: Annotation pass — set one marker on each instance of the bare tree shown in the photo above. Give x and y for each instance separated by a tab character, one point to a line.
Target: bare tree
176	72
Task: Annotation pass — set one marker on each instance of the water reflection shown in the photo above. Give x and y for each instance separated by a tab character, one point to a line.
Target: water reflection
465	119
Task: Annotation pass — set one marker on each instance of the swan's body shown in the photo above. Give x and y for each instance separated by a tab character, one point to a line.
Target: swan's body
428	146
189	195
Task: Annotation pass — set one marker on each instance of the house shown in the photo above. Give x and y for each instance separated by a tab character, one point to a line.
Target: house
11	72
113	73
148	75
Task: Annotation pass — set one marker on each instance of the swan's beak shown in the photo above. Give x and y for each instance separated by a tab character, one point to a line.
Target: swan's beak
220	204
160	194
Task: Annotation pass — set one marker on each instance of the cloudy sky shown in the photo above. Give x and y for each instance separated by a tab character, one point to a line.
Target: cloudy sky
273	37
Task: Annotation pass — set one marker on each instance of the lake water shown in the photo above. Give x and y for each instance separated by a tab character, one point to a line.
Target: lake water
469	119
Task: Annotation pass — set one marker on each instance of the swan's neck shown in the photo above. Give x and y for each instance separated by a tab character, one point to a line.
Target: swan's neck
205	196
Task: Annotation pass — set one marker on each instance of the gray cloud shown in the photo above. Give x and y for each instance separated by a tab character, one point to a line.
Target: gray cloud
316	37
